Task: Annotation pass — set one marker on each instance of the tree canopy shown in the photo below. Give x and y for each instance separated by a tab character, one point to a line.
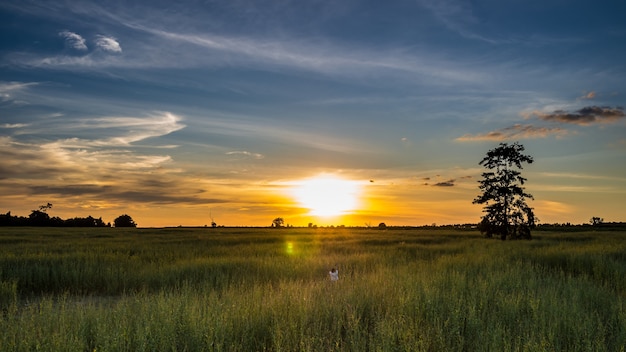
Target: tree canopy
278	222
124	221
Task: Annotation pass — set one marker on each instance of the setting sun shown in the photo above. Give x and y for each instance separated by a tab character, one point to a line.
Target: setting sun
327	195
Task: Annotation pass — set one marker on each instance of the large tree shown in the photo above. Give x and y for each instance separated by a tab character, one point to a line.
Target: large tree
124	221
506	211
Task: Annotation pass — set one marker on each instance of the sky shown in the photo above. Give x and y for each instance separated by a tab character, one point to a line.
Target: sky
187	112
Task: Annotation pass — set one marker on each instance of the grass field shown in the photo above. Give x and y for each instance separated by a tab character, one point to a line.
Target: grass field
113	289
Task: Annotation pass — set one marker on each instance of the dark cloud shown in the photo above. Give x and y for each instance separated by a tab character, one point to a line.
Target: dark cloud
449	183
585	116
582	117
159	196
162	198
71	190
28	164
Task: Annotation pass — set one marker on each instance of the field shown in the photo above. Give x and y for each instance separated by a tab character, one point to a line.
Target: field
113	289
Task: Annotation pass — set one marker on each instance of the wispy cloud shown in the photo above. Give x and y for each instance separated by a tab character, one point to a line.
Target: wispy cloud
88	61
588	96
100	165
582	176
153	45
8	89
109	148
242	154
13	125
457	16
74	40
517	131
265	129
99	57
308	55
550	207
122	131
585	116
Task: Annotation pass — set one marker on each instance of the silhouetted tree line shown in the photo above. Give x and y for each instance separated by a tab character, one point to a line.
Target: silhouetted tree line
40	217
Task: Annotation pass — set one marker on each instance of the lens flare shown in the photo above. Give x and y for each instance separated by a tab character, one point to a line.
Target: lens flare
289	248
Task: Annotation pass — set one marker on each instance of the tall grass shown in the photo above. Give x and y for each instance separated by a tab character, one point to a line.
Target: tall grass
267	290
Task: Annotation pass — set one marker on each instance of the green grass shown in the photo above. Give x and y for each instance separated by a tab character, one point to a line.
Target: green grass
268	290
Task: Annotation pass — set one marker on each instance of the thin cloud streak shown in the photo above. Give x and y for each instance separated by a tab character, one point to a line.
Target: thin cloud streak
259	128
147	195
121	131
14	125
515	132
457	17
243	154
328	59
582	176
9	89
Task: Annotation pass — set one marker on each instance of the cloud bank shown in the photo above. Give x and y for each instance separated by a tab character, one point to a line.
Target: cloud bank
583	117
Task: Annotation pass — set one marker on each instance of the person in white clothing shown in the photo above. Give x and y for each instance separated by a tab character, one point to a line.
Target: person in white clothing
334	274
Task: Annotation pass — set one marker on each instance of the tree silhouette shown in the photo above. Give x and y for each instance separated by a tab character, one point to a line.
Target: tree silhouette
213	223
39	218
596	220
506	211
124	221
278	222
45	208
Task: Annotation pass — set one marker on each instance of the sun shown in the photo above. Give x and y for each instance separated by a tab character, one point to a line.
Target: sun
327	195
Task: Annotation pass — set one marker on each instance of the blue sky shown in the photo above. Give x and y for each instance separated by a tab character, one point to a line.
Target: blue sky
178	112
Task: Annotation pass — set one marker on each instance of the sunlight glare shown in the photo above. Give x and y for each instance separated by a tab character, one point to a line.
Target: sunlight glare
327	195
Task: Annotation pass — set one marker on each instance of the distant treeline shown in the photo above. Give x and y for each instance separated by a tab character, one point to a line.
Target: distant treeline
619	226
41	218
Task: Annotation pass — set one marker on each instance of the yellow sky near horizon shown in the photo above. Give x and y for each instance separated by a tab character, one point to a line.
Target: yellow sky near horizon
410	201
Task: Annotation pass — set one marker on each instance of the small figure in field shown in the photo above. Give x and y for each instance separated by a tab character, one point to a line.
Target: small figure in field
334	274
